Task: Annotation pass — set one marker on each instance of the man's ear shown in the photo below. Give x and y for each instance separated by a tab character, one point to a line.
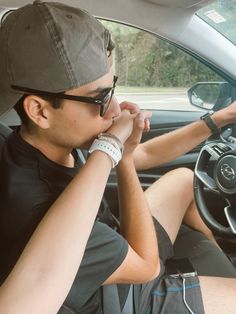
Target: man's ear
37	109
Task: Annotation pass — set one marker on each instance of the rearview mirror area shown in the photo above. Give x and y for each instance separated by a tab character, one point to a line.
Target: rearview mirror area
210	95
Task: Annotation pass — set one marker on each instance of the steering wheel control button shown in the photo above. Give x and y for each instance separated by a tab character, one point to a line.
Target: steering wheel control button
218	150
225	174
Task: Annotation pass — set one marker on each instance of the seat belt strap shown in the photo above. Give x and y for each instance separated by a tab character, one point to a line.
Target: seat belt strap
111	300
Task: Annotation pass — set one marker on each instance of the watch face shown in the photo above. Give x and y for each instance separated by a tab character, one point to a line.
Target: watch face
205	115
209	113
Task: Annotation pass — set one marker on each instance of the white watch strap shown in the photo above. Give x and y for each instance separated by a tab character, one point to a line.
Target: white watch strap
106	147
110	140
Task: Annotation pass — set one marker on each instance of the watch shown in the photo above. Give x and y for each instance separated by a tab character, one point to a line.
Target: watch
114	153
210	123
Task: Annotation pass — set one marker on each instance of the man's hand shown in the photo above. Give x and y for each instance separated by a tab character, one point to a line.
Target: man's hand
129	126
122	126
133	108
140	123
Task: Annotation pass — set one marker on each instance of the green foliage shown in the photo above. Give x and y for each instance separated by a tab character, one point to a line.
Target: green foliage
142	59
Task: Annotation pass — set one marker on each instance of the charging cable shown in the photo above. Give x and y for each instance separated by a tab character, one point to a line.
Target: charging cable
184	296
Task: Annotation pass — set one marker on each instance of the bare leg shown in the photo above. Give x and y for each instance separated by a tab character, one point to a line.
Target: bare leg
171	202
218	294
193	219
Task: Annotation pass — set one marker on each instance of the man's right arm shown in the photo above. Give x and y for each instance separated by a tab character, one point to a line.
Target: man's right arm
142	262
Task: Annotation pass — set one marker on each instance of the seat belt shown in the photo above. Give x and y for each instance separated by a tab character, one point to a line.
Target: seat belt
66	310
110	296
111	300
129	303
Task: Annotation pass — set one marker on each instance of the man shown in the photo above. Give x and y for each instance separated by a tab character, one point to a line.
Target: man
56	62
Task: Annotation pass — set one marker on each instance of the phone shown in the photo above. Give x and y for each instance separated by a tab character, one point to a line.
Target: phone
180	267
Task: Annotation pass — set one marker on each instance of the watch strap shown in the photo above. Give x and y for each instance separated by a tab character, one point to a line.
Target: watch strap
210	123
113	153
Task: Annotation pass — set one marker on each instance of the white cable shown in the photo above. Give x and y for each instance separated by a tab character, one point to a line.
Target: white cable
184	299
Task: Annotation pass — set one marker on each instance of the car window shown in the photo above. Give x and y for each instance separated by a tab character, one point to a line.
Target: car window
155	73
221	16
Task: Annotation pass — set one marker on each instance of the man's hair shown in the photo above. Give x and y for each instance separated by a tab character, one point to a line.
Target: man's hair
19	108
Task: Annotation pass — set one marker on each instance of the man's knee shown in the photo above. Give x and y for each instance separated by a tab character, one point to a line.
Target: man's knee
184	175
183	172
177	182
183	178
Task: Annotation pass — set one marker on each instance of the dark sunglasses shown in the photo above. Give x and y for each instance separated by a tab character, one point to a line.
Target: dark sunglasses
103	99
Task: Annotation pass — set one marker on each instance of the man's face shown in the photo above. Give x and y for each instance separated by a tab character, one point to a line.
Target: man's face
76	124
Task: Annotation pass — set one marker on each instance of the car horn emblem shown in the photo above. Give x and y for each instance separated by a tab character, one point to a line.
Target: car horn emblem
227	172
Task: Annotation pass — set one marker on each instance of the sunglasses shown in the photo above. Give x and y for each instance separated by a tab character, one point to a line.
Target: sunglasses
103	99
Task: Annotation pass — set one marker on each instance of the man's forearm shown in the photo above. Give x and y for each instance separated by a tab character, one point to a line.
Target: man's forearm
135	216
169	146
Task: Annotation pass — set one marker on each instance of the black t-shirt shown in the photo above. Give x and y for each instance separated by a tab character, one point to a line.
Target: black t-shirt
29	184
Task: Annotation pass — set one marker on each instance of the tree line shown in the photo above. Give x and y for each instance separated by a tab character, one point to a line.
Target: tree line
142	59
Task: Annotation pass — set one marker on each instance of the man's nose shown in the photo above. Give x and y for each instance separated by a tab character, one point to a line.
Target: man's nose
113	110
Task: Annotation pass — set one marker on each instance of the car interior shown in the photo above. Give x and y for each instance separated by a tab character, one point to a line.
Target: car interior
214	161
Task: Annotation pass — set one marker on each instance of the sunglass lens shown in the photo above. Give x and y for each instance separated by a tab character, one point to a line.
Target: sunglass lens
106	103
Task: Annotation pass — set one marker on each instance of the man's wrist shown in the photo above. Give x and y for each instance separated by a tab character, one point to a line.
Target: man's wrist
113	151
209	121
126	161
223	117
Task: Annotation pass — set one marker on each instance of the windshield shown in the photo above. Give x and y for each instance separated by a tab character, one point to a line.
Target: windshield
221	15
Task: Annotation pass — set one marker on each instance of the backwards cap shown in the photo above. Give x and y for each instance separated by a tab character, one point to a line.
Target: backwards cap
50	47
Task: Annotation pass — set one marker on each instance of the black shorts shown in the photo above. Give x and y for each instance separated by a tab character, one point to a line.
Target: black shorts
166	293
201	252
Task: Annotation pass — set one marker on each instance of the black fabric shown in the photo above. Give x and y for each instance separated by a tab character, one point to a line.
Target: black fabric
202	252
65	310
29	184
110	300
104	253
165	293
5	131
143	292
180	294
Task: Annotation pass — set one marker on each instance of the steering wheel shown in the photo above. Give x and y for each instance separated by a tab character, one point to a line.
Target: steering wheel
216	170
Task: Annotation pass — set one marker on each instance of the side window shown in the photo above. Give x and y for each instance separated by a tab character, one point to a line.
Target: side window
157	75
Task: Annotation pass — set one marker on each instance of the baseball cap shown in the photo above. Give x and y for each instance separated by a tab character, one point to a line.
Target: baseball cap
52	47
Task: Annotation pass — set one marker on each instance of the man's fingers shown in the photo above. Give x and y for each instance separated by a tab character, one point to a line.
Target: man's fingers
147	125
139	123
130	106
147	115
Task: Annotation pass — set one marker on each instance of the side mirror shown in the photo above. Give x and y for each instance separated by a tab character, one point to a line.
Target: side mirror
210	95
